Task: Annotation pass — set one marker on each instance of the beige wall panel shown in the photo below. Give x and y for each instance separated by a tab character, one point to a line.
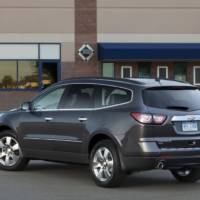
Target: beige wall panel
148	3
32	20
68	52
133	20
36	3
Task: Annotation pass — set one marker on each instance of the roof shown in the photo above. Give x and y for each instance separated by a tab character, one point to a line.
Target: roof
131	81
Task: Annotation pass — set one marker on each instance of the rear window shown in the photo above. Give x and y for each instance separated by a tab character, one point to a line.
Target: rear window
185	99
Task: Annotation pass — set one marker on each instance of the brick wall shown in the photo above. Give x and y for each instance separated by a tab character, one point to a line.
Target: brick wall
154	66
85	32
10	100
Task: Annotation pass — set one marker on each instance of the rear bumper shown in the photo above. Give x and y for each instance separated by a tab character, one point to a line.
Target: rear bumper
172	152
131	163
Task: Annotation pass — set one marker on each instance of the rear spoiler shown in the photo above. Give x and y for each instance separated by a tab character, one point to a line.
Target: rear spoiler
173	88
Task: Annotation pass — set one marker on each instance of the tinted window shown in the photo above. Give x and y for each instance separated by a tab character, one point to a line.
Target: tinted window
8	74
28	74
78	96
144	70
180	71
108	96
176	98
50	100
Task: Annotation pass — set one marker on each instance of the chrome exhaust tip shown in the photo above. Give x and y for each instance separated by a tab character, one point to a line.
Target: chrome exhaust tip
160	165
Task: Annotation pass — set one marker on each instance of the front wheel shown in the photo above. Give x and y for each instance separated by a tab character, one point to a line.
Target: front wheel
105	164
11	156
187	175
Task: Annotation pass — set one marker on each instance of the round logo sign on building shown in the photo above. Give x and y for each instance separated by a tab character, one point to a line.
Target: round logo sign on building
86	52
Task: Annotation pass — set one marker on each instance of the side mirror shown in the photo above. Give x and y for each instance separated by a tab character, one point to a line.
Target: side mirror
26	106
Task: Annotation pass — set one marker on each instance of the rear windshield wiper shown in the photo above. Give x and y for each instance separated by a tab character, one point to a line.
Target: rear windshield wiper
178	108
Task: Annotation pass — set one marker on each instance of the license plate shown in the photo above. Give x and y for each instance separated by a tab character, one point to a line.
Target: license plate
189	126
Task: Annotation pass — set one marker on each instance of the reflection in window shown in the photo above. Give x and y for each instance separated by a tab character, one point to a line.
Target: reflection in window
8	74
145	70
50	100
28	75
180	71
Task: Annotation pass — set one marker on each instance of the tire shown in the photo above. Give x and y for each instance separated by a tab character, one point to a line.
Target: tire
105	165
187	175
11	156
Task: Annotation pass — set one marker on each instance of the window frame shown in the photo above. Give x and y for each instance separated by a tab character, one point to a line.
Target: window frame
40	62
194	75
82	109
126	67
163	67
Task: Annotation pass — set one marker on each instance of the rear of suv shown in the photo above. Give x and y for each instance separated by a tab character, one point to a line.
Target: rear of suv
168	130
116	126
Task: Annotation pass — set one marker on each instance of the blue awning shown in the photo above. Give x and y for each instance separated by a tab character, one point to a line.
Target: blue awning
148	51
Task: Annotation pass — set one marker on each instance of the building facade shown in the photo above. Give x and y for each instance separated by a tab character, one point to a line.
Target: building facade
40	42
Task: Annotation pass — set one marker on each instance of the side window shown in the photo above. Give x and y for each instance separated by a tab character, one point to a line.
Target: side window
78	96
109	96
50	100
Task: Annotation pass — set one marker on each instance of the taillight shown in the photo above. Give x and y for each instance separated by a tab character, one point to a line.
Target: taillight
147	118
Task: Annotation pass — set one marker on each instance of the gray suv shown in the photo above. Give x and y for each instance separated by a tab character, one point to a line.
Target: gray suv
116	126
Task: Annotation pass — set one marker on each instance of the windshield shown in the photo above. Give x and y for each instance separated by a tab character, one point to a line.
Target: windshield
172	98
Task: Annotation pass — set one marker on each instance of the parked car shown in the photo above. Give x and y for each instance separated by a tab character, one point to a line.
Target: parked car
116	126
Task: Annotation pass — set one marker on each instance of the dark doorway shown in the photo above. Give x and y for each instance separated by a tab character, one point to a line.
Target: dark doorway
50	73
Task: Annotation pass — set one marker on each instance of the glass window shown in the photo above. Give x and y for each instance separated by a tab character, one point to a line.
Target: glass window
126	72
8	74
50	100
162	72
108	70
173	98
78	96
108	96
28	75
180	71
197	75
25	74
145	70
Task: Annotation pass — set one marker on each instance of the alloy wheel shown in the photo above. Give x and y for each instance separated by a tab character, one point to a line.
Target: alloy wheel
103	164
10	151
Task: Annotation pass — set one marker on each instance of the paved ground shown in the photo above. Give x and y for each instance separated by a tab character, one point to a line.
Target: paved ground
50	181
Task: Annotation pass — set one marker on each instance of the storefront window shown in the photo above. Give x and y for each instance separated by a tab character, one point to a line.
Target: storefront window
180	71
8	74
145	70
108	70
28	74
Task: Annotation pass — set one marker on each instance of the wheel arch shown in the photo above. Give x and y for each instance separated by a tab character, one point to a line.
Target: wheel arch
5	127
99	137
103	136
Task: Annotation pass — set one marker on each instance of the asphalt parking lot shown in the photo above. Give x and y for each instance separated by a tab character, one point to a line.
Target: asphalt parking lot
52	181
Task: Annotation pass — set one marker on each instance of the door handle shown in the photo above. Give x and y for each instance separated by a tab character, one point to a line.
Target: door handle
48	119
82	119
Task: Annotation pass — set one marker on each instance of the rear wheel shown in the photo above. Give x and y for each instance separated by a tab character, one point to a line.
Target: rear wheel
105	164
11	156
187	175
